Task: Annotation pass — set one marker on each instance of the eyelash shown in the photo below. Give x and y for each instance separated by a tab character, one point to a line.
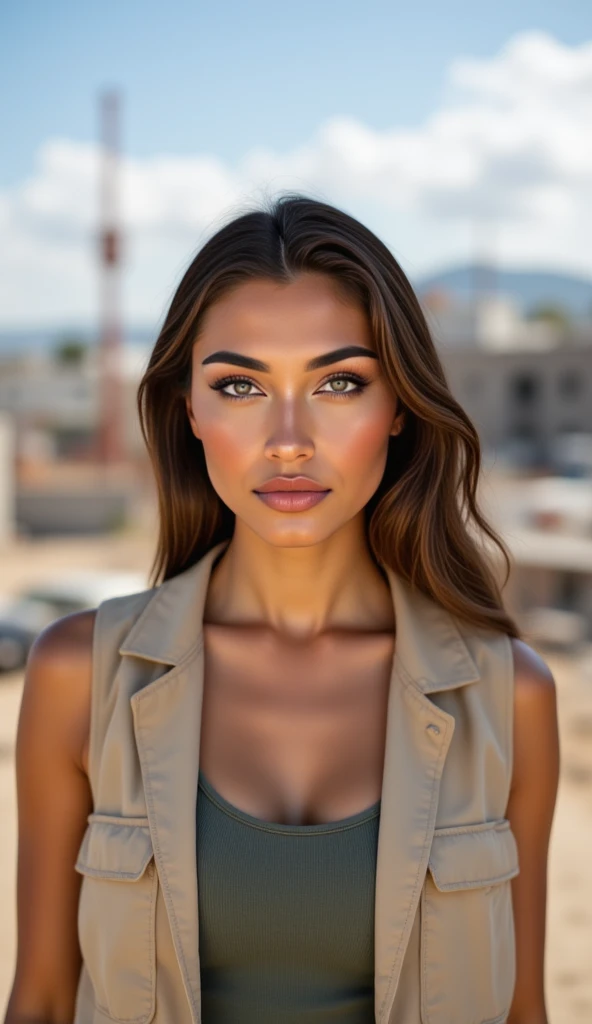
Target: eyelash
355	378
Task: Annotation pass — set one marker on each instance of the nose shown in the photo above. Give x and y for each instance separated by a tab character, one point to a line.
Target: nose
289	439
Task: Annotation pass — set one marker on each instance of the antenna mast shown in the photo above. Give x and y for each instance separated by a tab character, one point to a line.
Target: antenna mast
110	439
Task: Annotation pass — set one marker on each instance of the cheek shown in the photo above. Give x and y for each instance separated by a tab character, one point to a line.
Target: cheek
229	453
357	442
221	441
363	441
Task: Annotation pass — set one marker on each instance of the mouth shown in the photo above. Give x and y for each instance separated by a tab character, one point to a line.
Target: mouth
300	483
292	501
294	490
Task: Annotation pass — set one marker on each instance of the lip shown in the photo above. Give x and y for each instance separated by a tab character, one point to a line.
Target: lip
290	483
291	501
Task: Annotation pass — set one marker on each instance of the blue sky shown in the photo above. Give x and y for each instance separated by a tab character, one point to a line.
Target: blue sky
226	81
222	76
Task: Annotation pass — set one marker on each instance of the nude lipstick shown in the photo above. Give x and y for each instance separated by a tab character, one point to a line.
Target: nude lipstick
291	493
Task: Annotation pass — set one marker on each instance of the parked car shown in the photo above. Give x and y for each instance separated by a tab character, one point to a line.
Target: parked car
23	617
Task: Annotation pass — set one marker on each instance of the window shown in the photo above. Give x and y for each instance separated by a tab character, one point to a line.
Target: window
525	388
568	591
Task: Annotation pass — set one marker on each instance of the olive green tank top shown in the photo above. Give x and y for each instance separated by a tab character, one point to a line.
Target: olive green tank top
286	916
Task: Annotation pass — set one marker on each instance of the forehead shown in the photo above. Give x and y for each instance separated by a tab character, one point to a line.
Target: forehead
310	309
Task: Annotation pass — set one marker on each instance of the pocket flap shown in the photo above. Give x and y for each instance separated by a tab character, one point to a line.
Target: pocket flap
114	847
473	855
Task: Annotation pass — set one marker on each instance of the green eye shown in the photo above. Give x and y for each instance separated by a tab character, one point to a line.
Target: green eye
353	378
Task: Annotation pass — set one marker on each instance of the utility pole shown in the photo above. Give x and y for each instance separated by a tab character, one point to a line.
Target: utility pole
111	432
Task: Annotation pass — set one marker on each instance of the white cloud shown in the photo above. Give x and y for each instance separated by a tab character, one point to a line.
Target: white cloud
508	155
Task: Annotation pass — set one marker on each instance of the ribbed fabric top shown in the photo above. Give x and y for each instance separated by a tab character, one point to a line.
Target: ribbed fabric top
286	916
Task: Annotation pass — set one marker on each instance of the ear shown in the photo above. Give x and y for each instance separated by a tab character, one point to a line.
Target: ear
398	424
191	416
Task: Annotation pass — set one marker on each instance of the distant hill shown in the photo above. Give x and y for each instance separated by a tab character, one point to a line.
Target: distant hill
41	339
527	287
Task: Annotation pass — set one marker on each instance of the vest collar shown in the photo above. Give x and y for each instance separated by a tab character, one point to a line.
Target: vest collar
429	645
430	655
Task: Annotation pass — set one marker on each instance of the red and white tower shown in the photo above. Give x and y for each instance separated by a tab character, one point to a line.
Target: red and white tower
111	426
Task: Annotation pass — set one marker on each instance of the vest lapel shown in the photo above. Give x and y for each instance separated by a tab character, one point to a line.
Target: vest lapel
167	722
430	656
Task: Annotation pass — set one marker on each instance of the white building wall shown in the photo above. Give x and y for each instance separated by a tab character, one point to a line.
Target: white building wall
7	481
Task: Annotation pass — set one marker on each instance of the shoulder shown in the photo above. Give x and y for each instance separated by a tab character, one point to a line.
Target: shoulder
62	649
58	681
64	640
62	654
534	683
536	739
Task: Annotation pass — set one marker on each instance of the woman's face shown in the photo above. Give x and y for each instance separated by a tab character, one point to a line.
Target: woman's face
285	416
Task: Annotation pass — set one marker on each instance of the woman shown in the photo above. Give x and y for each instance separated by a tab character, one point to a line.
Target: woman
320	717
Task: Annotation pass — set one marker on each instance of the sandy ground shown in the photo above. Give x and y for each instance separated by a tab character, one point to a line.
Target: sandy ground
569	929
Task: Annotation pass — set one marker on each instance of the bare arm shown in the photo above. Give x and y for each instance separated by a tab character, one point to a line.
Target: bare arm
54	800
530	810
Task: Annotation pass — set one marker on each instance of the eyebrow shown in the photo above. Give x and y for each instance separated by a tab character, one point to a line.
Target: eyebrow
348	352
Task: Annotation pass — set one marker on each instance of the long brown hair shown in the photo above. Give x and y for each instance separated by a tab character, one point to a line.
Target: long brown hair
423	521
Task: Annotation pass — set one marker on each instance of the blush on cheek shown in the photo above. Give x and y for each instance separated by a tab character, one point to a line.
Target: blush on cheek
228	458
365	448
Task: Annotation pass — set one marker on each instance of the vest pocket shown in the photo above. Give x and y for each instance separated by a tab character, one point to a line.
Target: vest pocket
116	916
467	925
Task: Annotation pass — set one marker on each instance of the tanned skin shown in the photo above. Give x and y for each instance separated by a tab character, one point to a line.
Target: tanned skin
287	426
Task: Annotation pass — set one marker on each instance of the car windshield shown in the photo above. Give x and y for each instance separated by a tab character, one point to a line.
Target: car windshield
35	611
63	603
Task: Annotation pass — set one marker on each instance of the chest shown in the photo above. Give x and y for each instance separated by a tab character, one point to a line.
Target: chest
445	854
295	733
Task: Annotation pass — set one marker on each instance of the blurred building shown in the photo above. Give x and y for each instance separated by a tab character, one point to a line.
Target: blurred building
54	404
7	478
546	524
495	321
523	402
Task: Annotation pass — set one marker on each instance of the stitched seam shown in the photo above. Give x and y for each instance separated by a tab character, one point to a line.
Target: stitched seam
425	940
85	868
423	944
410	684
429	828
406	678
152	939
146	610
426	1015
152	947
420	697
125	821
155	592
165	885
472	883
414	893
510	714
94	698
499	825
168	677
293	829
125	876
456	642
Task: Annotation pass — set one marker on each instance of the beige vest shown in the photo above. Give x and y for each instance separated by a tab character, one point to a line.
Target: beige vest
444	928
